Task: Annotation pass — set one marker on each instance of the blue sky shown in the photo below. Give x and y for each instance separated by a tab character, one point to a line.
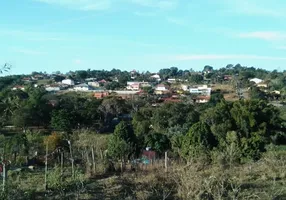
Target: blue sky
64	35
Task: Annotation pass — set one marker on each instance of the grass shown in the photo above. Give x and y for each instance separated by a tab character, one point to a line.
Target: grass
265	179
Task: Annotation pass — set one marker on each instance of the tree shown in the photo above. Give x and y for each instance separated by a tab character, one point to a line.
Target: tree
199	138
158	142
256	93
62	120
196	78
122	143
112	107
118	149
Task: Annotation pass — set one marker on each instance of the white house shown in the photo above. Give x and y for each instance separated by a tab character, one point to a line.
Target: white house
53	88
18	87
201	90
185	87
82	87
68	82
171	80
256	80
93	83
156	76
161	87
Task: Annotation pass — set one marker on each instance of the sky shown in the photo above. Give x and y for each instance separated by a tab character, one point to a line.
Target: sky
69	35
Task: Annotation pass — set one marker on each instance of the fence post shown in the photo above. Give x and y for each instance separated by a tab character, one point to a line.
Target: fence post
166	161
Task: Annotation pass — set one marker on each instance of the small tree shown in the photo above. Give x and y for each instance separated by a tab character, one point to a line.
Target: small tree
61	120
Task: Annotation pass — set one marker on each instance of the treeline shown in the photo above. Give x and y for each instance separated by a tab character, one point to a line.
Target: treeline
178	127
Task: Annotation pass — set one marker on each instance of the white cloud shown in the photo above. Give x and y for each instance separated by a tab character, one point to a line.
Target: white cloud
223	57
89	5
264	35
255	7
144	14
282	47
161	4
27	51
77	61
177	21
81	4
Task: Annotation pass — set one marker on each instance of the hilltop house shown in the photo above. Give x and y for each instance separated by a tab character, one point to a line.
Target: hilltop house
162	89
256	80
156	77
133	86
202	99
93	84
101	94
82	87
201	90
68	82
18	87
53	88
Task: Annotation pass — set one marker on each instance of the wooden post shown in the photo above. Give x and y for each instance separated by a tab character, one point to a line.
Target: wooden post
93	160
62	165
72	161
46	167
166	161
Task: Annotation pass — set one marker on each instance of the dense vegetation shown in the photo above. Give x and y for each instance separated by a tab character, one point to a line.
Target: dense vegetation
83	137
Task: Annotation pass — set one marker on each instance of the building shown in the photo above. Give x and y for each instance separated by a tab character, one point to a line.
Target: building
227	77
18	87
126	94
156	77
171	80
162	89
202	99
53	88
256	80
93	84
82	87
68	82
185	87
262	84
201	90
101	94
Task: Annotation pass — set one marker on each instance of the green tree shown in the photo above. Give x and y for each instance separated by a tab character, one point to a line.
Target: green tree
196	78
62	120
199	138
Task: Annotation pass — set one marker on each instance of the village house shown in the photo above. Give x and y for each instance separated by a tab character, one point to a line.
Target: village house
201	90
53	88
101	94
19	87
102	81
126	94
171	80
202	99
156	77
256	80
162	89
262	84
133	86
27	79
227	77
185	87
82	87
93	84
90	79
68	82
